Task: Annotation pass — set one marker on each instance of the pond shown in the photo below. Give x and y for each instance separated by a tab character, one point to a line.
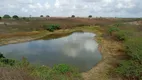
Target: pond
78	49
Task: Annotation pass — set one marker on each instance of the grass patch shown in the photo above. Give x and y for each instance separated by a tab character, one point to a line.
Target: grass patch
51	27
58	72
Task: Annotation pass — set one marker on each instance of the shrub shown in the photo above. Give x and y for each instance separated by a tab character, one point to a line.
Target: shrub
113	29
58	72
1	56
7	61
130	69
62	68
41	16
43	72
51	27
6	16
134	48
24	18
0	17
122	35
73	16
15	17
47	16
24	62
90	16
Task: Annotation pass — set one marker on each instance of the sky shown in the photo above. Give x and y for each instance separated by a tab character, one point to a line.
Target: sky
80	8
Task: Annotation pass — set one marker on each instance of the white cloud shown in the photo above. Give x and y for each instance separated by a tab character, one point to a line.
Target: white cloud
47	6
124	8
24	10
32	6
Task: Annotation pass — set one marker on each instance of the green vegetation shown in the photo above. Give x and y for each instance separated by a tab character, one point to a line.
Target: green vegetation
58	72
130	68
51	27
47	16
6	16
1	56
62	68
113	29
0	18
73	16
134	48
15	17
41	15
122	35
90	16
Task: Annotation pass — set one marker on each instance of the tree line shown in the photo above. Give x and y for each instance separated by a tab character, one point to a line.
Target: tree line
6	16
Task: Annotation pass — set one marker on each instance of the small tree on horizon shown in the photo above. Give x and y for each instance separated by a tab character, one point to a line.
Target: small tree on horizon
90	16
73	16
47	16
6	16
15	17
41	15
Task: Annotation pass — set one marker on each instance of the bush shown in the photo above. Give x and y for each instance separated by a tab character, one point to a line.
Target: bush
113	29
73	16
122	35
43	72
0	17
47	16
51	27
7	61
6	16
62	68
1	56
130	69
90	16
41	16
15	17
134	48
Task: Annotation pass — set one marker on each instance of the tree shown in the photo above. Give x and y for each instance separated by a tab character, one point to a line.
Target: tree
90	16
0	17
15	17
6	16
73	16
47	16
41	15
1	55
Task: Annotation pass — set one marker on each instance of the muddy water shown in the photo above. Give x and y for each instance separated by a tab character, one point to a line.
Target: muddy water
78	49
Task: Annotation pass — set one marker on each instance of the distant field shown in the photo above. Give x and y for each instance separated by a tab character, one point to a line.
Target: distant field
35	24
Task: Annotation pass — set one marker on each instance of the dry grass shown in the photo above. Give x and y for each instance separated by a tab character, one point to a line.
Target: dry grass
13	74
18	34
65	23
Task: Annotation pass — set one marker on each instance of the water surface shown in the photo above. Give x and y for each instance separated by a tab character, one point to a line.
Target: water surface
77	49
